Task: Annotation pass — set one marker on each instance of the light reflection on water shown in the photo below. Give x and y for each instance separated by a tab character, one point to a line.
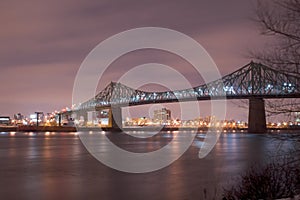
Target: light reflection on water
56	165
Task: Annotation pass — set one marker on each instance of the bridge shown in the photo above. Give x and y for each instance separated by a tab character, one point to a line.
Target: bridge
253	81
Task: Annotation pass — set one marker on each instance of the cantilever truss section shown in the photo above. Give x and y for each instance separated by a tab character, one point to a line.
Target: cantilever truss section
252	80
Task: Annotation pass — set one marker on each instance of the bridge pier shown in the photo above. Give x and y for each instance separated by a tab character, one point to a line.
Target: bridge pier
257	116
82	115
116	118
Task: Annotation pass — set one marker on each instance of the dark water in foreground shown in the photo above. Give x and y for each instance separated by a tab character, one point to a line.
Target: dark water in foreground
57	166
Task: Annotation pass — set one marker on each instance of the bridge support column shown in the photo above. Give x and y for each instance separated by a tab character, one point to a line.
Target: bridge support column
257	116
81	115
116	118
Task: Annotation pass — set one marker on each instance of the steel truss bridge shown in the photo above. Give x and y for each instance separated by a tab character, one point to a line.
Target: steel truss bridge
253	81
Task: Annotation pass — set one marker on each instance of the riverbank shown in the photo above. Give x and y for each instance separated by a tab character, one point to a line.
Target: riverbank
137	128
37	129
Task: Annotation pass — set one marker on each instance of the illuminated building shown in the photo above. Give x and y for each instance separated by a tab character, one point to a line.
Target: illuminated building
4	120
162	116
297	118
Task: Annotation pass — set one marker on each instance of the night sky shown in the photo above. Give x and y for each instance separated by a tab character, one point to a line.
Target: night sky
43	43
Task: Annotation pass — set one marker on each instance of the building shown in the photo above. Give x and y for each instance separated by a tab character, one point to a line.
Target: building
19	119
19	116
162	116
4	120
297	118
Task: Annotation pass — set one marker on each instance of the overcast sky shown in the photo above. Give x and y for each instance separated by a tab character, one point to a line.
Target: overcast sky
43	43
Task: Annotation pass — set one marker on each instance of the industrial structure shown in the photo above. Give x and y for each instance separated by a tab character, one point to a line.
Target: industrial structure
253	81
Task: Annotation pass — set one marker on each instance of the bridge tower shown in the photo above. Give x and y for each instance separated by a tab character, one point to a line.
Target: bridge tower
257	116
116	117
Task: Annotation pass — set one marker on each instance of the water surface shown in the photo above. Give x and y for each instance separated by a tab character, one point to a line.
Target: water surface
57	166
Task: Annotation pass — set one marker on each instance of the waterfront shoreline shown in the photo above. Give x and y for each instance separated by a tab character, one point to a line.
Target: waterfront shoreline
144	128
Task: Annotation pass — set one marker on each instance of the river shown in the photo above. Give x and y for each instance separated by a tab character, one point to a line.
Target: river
58	166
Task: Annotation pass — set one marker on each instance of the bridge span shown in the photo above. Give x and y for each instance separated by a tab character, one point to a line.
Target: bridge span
253	81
